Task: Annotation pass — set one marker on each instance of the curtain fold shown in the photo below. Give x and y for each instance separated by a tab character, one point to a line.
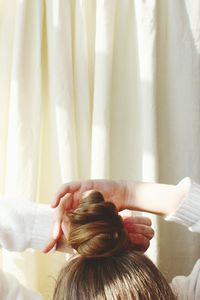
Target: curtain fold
98	89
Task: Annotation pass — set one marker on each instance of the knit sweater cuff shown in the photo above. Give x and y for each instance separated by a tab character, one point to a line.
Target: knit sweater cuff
188	212
43	227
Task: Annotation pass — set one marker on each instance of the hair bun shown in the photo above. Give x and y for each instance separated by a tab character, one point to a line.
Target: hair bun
96	229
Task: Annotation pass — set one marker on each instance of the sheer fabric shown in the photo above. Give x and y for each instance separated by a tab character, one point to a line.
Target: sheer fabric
98	89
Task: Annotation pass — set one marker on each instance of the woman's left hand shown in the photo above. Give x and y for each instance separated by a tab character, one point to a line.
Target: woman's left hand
138	227
140	232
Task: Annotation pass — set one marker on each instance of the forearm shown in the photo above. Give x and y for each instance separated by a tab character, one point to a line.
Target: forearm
156	198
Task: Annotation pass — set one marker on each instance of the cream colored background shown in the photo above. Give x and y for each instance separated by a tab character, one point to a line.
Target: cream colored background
100	89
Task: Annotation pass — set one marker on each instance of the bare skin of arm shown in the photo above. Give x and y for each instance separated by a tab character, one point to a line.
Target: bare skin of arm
161	199
156	198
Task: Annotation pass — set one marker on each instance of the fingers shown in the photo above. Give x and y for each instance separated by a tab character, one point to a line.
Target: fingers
60	193
57	229
138	220
65	225
140	232
140	242
144	230
64	205
53	242
49	246
70	187
139	225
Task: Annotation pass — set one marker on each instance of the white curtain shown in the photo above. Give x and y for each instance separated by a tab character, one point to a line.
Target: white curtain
98	89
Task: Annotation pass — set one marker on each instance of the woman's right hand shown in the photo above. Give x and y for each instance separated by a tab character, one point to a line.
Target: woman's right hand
67	198
112	190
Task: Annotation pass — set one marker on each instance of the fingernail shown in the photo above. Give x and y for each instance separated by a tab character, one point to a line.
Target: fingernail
150	235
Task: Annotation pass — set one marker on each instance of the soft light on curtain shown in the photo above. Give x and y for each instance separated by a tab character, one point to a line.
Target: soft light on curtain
98	89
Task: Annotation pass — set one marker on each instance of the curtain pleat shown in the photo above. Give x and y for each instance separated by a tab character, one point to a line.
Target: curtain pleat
98	89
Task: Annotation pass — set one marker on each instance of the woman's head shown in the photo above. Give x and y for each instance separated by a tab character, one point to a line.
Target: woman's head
106	268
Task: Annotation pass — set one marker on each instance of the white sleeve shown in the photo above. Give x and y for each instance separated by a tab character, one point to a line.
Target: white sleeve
24	224
187	287
188	212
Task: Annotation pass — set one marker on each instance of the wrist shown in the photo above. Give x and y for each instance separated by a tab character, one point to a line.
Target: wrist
179	193
120	194
128	194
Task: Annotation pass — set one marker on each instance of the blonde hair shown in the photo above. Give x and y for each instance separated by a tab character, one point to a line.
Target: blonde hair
106	267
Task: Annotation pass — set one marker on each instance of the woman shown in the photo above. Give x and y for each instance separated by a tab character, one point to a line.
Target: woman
106	266
180	203
30	225
184	193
